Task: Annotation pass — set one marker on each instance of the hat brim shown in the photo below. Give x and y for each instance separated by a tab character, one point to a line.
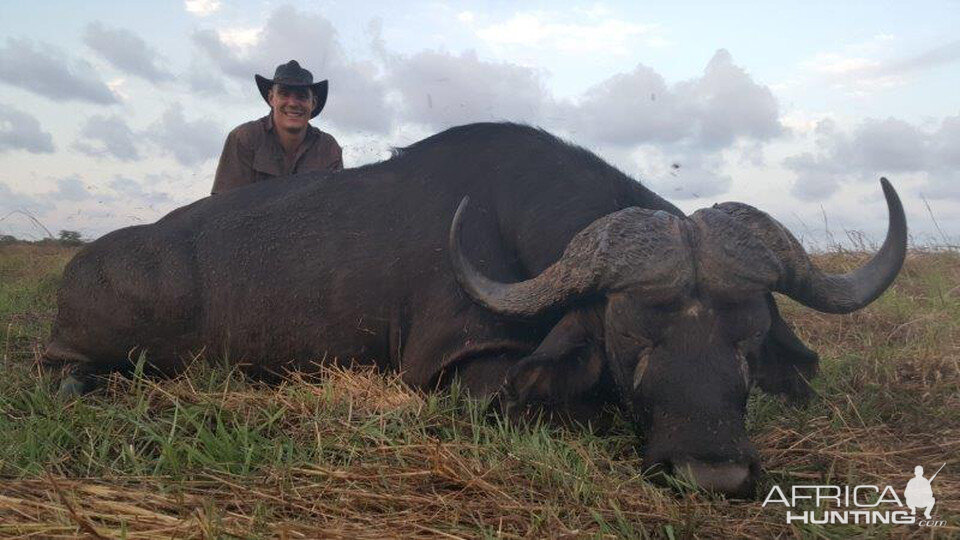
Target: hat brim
319	89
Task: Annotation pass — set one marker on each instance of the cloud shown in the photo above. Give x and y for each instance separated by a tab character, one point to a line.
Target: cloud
130	190
628	109
439	89
889	145
239	37
228	61
817	179
673	172
709	112
91	206
20	131
879	147
944	145
837	64
938	56
201	8
862	74
190	143
113	135
432	90
576	32
126	51
442	90
70	189
357	98
47	70
696	176
11	201
205	79
26	215
705	114
727	104
286	34
19	213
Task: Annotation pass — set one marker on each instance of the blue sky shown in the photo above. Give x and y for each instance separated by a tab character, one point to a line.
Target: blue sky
113	114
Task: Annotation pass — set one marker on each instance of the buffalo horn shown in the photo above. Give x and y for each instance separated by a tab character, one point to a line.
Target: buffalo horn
829	293
603	256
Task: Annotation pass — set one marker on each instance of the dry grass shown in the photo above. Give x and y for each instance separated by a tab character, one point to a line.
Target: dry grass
358	455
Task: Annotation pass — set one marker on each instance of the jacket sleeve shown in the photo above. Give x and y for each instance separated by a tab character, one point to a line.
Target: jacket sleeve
236	164
335	159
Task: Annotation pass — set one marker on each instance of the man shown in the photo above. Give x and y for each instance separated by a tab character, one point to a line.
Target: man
283	142
918	492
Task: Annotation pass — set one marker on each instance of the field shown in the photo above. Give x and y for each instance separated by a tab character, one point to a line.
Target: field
358	455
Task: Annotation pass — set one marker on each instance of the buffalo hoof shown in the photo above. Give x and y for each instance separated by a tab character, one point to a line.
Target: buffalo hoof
504	408
70	388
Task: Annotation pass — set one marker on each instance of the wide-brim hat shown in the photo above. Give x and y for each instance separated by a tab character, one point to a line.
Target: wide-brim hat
291	74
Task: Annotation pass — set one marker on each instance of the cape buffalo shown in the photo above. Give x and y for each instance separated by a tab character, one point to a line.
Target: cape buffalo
562	283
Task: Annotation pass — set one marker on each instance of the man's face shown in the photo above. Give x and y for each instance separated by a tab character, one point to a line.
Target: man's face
291	107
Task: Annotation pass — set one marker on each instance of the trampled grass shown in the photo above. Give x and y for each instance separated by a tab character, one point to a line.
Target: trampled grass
357	454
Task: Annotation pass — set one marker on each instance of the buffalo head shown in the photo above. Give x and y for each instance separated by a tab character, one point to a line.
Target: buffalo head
676	315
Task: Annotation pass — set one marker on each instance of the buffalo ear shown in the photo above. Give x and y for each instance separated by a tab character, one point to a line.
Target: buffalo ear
566	365
786	364
538	380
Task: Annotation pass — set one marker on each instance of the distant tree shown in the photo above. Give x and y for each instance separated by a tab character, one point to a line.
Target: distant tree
7	239
70	238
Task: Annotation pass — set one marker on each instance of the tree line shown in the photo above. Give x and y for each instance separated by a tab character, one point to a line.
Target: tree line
64	238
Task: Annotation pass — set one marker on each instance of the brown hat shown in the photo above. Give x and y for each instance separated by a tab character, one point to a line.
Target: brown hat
291	74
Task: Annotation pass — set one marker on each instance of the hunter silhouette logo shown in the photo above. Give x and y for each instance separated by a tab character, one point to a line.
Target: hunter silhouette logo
919	492
862	504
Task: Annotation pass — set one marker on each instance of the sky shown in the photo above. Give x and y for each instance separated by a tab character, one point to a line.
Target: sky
113	114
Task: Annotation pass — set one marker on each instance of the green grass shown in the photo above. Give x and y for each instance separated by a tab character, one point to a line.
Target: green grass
213	454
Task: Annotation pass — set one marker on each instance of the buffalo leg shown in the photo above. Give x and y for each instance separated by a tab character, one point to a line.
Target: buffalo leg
79	373
562	376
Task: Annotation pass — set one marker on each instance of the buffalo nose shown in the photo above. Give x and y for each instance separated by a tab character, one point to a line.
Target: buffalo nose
734	480
730	479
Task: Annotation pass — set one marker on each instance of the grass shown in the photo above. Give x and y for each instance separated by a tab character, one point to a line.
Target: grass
358	455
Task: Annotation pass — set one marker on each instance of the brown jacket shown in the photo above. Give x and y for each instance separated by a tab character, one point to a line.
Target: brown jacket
253	153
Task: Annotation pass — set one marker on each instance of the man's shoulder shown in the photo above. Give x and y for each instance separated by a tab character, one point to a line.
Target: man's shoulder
249	132
324	138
